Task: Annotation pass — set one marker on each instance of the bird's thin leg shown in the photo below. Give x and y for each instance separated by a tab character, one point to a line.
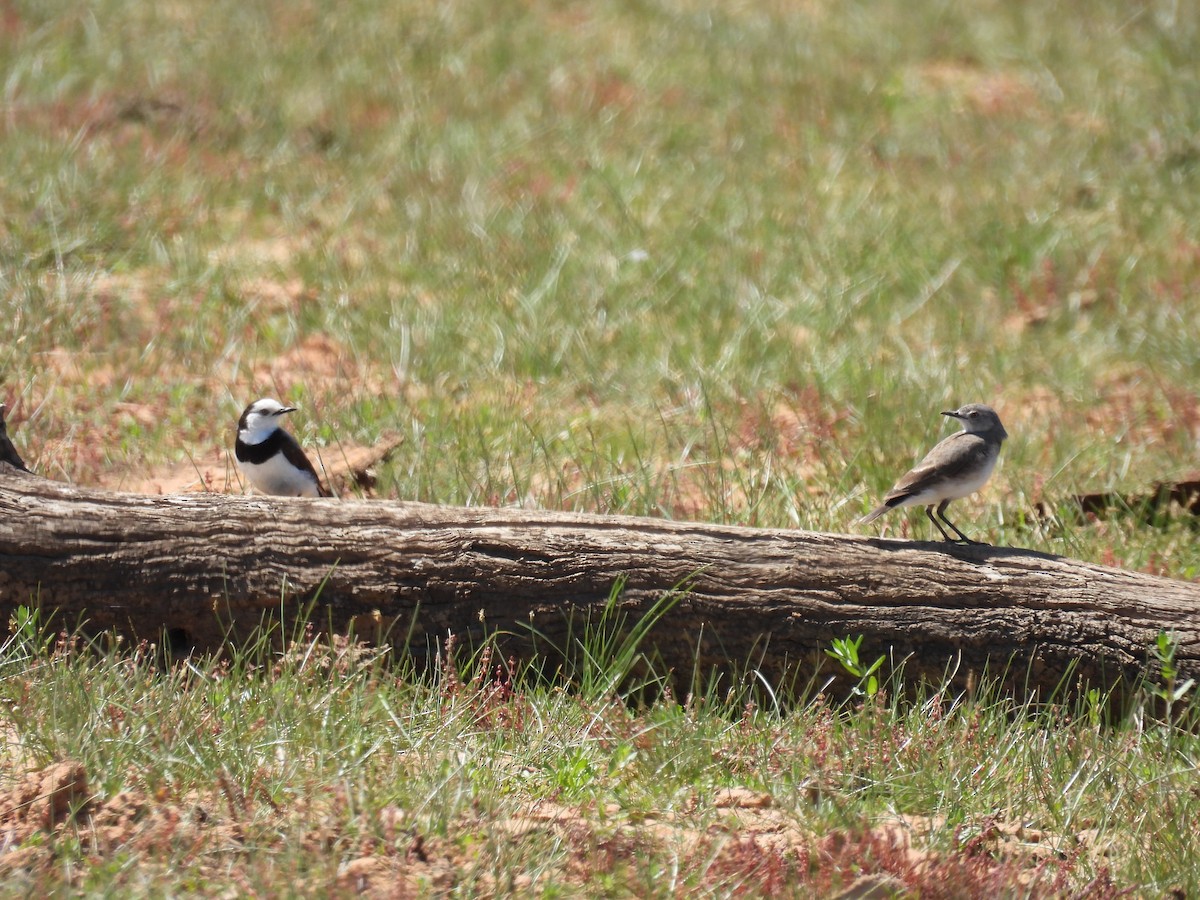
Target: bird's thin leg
941	510
937	524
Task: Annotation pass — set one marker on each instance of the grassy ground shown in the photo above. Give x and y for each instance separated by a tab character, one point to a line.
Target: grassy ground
332	771
714	261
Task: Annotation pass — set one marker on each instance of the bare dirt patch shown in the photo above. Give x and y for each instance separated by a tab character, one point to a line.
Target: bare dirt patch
322	366
97	413
737	839
344	467
985	92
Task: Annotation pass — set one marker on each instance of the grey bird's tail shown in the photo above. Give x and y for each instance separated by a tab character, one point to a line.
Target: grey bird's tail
874	514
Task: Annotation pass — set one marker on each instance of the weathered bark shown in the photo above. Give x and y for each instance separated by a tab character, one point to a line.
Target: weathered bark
204	568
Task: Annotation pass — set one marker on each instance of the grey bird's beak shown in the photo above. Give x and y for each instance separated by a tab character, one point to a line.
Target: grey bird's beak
953	413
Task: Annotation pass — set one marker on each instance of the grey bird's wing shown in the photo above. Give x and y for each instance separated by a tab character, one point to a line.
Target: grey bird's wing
950	455
949	460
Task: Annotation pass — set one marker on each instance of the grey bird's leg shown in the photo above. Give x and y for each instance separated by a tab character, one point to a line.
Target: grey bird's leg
937	524
941	511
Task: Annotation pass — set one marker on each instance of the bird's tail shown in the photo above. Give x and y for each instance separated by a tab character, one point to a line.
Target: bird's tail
874	514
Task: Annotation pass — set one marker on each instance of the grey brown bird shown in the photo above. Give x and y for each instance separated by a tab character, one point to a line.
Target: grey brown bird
270	457
957	466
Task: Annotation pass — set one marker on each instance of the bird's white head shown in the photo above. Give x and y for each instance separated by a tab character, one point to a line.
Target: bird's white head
261	419
978	418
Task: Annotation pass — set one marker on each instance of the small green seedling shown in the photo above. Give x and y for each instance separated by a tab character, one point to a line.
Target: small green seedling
845	651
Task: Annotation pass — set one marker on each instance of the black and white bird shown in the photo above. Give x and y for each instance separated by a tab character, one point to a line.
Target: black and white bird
270	457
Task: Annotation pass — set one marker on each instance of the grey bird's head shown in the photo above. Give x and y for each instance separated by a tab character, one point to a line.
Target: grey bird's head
260	419
977	418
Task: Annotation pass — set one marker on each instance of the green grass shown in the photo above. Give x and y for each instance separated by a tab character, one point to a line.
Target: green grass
722	262
265	771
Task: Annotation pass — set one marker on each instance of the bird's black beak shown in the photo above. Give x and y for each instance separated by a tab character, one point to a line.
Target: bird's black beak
287	409
952	413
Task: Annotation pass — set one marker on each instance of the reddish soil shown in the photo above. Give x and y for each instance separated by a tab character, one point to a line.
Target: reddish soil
753	847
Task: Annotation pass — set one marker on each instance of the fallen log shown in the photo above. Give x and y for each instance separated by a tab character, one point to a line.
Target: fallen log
199	570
